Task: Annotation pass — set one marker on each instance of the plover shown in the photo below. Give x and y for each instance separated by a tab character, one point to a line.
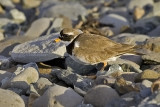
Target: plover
91	48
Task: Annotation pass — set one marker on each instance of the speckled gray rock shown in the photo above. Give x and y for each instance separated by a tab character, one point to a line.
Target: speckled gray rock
7	3
100	95
71	10
127	66
42	85
40	49
152	58
10	99
73	79
151	101
38	27
128	38
155	32
140	3
118	22
77	67
18	16
5	62
22	77
58	96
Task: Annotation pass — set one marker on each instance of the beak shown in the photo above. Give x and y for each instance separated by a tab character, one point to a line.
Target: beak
57	40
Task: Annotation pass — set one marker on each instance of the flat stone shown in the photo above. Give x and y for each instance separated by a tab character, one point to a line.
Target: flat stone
7	3
100	95
152	58
5	62
77	67
155	32
1	36
126	65
31	3
129	76
140	3
22	77
18	16
38	27
42	85
156	9
38	50
73	79
118	22
123	86
147	83
70	10
58	96
4	74
147	75
10	99
138	13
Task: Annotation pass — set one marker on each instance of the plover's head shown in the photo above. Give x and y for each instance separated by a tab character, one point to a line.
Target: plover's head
69	34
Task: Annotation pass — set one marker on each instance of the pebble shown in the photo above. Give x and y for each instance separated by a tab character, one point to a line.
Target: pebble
4	74
118	22
123	86
7	3
10	99
58	96
156	85
152	58
42	85
140	3
156	9
38	27
38	50
155	32
31	3
5	62
25	75
128	38
147	75
1	36
73	79
77	67
100	95
71	10
18	16
129	76
138	13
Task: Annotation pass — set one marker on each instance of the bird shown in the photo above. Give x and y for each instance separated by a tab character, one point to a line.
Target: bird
87	48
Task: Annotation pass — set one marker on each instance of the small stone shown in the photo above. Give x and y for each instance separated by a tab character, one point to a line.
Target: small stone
71	10
38	27
100	95
152	58
16	1
73	79
147	83
153	44
5	63
155	86
10	99
156	9
138	13
5	21
32	98
4	74
25	99
85	105
58	96
129	76
118	22
26	75
140	3
2	11
147	75
42	85
155	32
1	36
31	3
123	86
38	50
18	16
77	67
128	38
7	3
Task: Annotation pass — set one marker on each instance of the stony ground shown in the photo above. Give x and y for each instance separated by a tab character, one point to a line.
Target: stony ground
34	71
